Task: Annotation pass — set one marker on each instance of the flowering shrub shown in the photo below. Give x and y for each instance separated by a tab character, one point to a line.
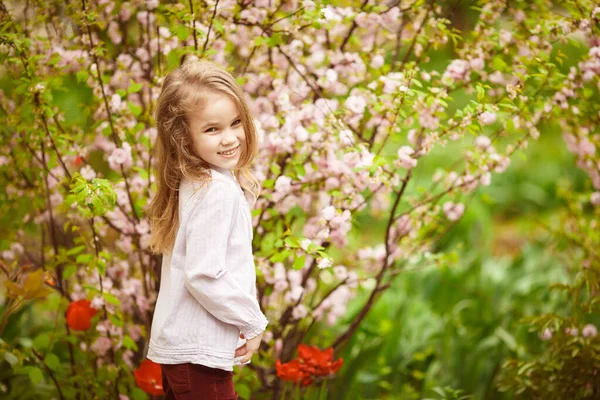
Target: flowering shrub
569	364
350	100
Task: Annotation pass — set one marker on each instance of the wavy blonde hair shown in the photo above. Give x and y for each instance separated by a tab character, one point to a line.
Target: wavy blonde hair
184	90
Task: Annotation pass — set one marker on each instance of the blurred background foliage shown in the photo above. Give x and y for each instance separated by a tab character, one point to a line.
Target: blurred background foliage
444	331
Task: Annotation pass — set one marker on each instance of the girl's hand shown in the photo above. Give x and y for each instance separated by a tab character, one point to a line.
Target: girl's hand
247	350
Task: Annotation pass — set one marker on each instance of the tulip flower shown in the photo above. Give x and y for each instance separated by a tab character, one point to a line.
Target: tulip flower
310	364
293	372
148	377
319	363
79	315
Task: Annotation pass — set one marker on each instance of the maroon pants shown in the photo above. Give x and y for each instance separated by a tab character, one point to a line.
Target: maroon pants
197	382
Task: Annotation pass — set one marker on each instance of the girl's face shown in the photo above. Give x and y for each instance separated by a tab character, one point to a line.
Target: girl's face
217	131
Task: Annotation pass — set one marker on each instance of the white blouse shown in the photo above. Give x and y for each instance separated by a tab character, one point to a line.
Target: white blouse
207	293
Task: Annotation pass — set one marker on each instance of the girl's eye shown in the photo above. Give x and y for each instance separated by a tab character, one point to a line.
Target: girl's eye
237	122
209	130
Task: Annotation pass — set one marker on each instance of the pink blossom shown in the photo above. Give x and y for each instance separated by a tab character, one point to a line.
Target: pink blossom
572	331
545	335
340	272
56	199
325	262
403	226
101	345
115	103
377	61
346	137
87	172
458	70
305	243
356	104
143	227
589	330
505	37
405	159
253	15
477	64
453	211
144	16
595	199
482	142
114	33
496	77
487	118
391	18
485	179
502	162
280	286
283	184
299	311
586	147
309	5
328	213
368	20
124	13
427	119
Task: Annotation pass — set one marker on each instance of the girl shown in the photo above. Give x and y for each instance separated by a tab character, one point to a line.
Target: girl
201	223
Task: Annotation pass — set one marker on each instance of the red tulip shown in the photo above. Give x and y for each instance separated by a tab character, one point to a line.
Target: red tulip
79	315
311	363
319	363
148	377
293	372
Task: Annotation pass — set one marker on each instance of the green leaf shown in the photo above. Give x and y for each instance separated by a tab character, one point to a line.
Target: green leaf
243	390
128	343
116	321
101	267
299	262
134	87
41	342
280	256
135	109
81	76
275	169
36	376
218	26
84	258
33	286
52	361
112	299
11	358
76	250
291	242
507	338
70	270
138	394
480	92
499	64
181	31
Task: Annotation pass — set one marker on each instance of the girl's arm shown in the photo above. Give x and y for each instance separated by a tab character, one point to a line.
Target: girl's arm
205	273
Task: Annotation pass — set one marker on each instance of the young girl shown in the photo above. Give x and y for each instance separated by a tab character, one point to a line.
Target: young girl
202	225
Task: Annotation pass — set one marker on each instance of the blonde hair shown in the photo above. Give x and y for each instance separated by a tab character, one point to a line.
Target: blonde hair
184	90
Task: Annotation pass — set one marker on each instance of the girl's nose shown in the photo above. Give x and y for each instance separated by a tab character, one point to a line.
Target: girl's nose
230	137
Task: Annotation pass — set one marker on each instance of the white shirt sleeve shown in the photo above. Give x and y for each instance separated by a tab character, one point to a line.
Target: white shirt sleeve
205	273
